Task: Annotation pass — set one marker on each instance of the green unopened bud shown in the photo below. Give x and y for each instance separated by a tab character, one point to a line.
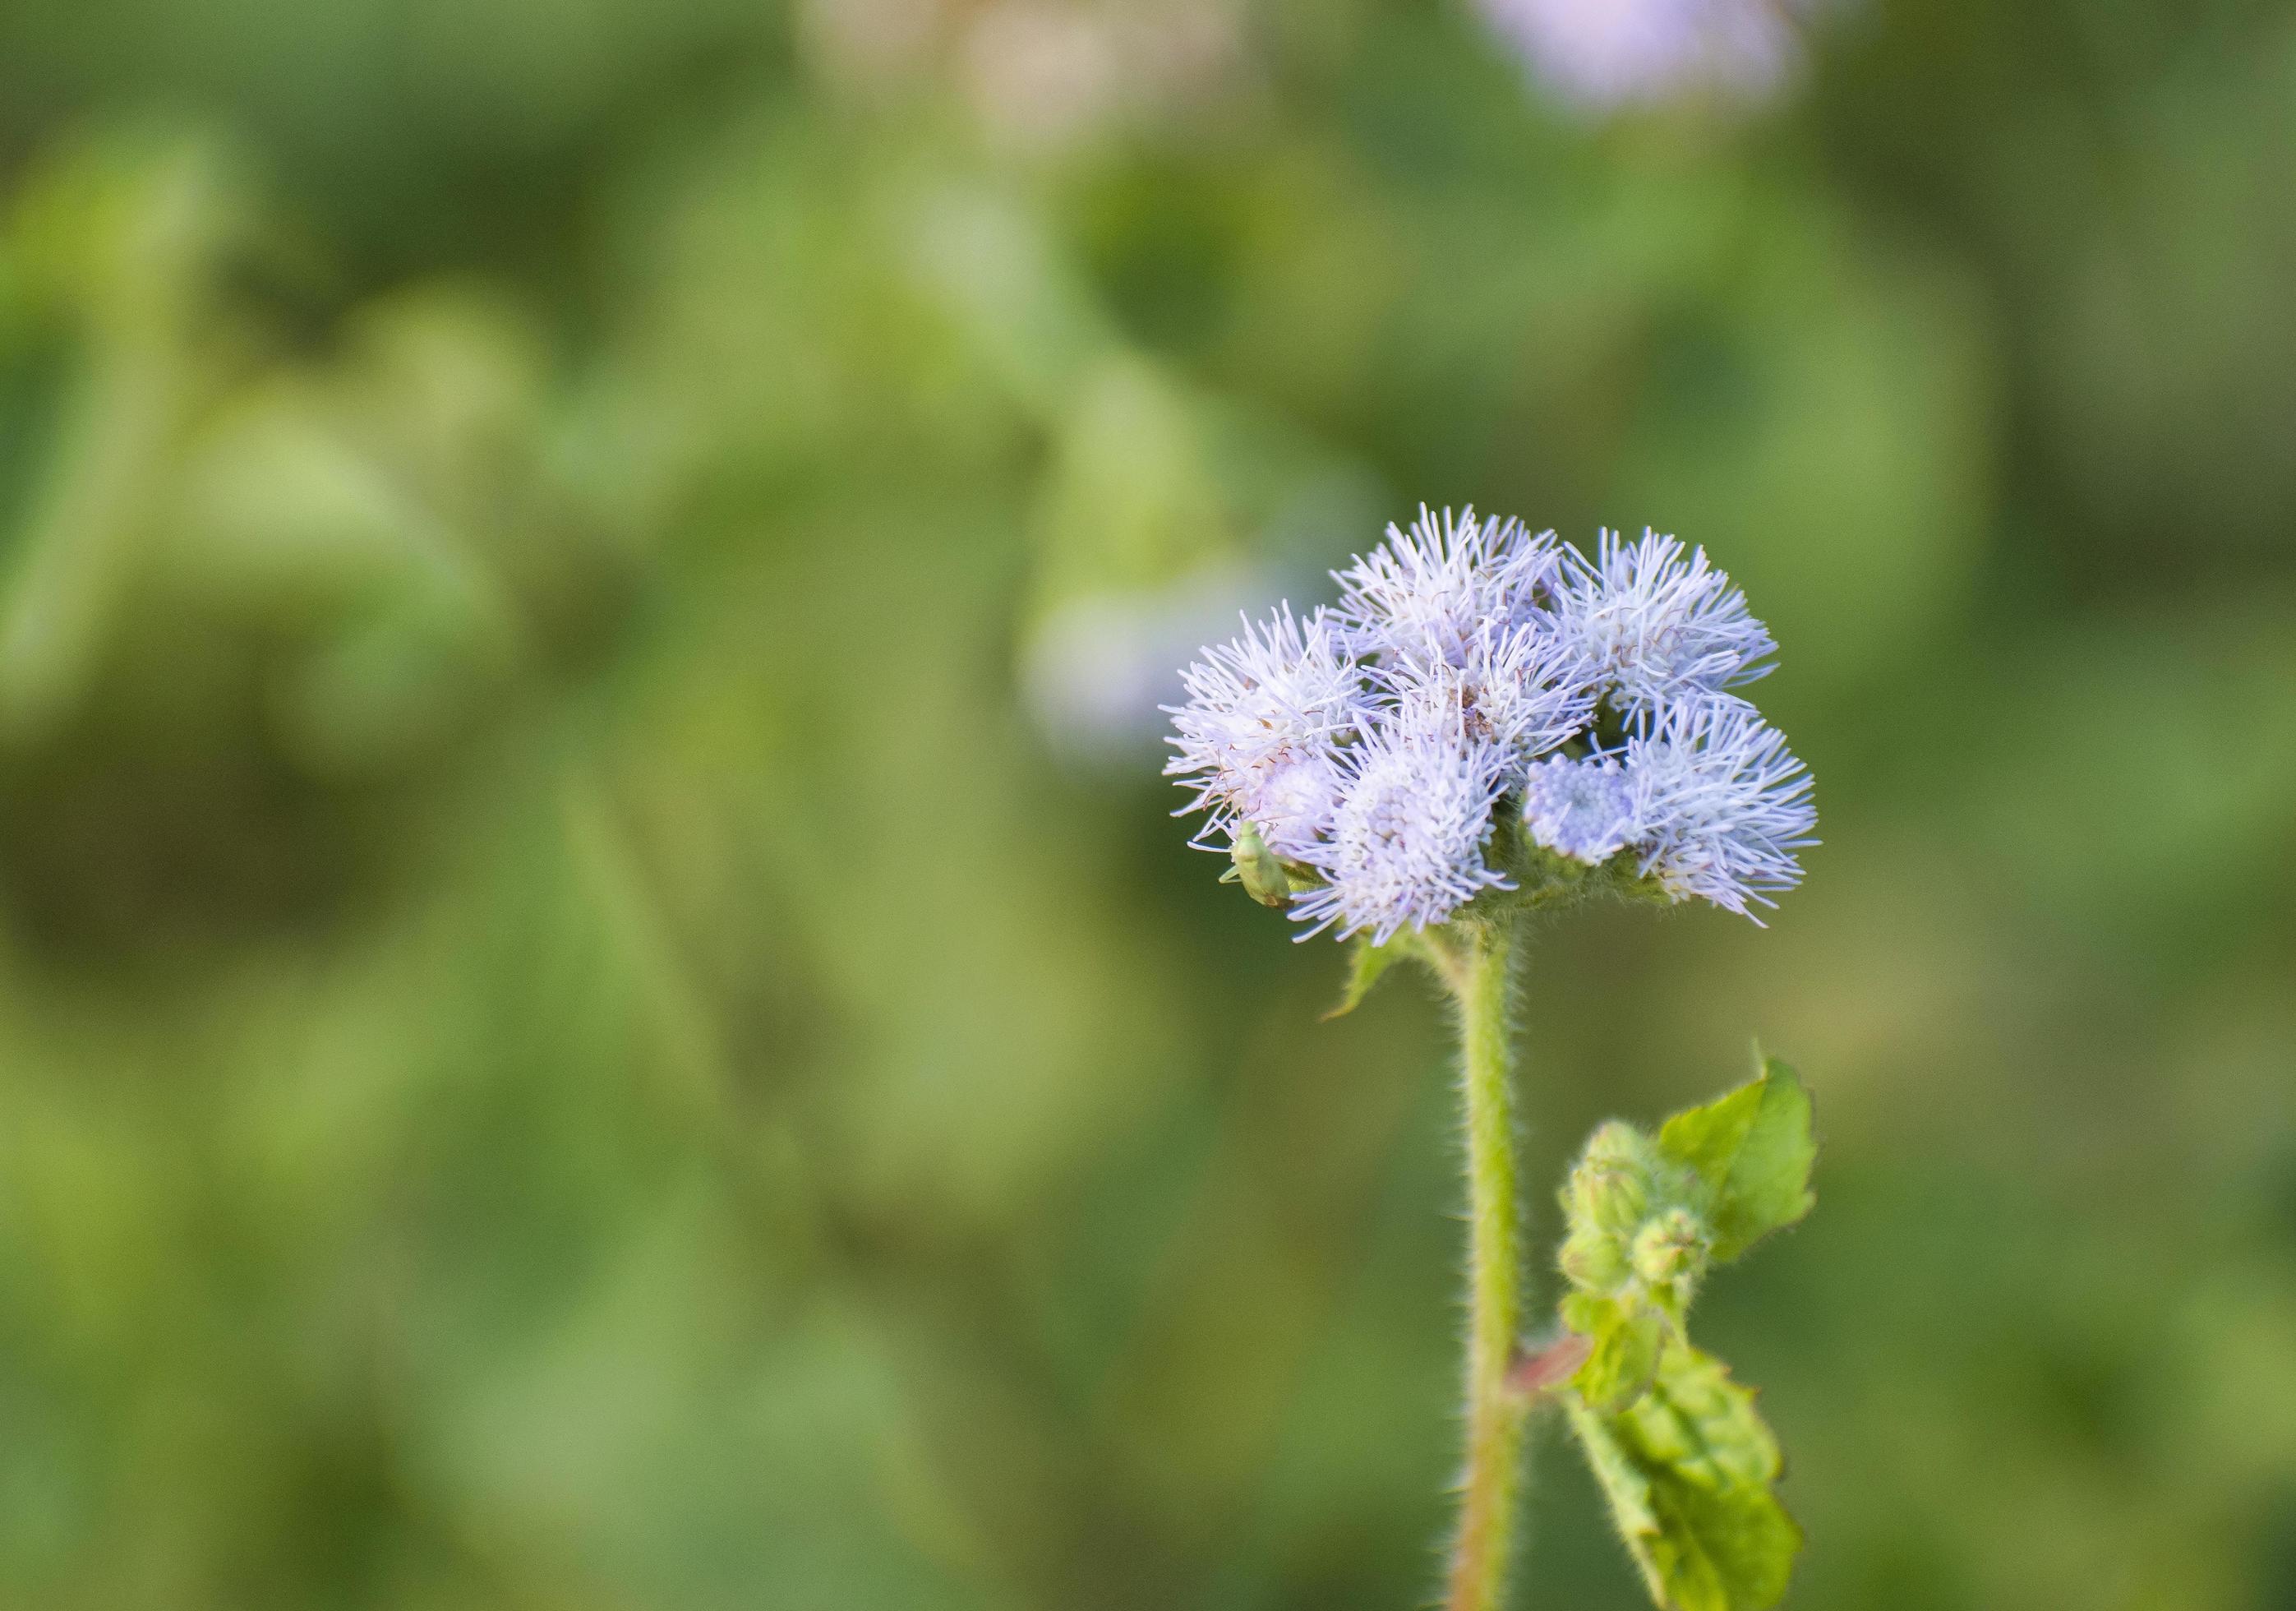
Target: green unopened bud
1671	1253
1610	1185
1607	1196
1259	867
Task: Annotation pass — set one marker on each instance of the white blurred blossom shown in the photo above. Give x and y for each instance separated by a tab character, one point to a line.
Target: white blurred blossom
1045	75
1096	670
1604	54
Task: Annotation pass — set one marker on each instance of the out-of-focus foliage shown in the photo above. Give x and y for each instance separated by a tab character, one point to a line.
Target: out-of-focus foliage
598	1006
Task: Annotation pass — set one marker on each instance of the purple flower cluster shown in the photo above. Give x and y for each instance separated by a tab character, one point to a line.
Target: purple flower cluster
1471	668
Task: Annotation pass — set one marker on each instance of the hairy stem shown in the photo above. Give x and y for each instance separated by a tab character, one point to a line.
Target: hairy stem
1480	974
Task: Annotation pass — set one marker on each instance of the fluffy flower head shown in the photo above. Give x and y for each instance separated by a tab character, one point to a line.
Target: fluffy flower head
1655	625
1719	805
1293	803
1429	593
1262	723
1517	687
1406	848
1354	761
1584	809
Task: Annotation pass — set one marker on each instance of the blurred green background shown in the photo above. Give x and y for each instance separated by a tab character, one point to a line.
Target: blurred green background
598	1006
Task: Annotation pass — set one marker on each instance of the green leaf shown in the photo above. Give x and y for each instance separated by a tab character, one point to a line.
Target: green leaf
1688	1470
1367	962
1752	1151
1626	1338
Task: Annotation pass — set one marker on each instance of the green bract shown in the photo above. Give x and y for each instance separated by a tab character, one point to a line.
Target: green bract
1365	963
1686	1462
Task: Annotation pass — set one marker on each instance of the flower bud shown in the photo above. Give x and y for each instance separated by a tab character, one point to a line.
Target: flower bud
1610	1187
1670	1252
1607	1196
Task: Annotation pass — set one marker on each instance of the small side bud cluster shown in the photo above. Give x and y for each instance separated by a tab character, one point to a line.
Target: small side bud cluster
1604	1201
1480	699
1669	1255
1635	1231
1676	1445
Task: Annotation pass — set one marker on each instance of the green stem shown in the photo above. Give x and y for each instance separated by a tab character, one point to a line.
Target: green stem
1481	975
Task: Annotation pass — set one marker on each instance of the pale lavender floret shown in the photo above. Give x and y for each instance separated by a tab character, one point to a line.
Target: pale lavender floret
1517	687
1262	725
1654	624
1584	809
1604	54
1407	846
1719	805
1294	803
1429	593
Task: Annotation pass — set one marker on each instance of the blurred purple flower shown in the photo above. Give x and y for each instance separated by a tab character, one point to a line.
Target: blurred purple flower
1096	670
1604	54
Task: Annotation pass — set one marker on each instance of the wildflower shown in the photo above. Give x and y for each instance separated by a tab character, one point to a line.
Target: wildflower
1358	763
1654	624
1261	727
1584	809
1719	805
1429	595
1360	754
1406	844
